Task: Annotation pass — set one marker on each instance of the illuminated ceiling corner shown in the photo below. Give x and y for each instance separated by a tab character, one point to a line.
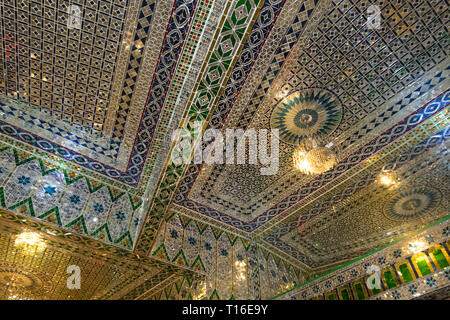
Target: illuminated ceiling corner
36	258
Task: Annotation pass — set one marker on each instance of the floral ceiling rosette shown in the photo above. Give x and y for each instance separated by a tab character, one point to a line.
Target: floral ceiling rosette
306	113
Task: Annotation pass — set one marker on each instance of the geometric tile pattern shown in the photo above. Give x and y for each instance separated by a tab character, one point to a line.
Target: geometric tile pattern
363	153
179	25
36	188
414	80
125	214
325	61
87	113
243	68
359	207
235	23
230	196
233	266
256	195
60	69
136	55
183	288
143	291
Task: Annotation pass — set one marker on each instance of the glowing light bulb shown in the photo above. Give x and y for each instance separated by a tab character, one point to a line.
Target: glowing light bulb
387	178
30	242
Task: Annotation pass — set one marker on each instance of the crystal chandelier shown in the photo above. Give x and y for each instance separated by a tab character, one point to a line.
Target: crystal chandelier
314	156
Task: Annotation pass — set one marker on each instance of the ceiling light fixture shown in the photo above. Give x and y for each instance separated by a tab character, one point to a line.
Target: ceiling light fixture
314	156
30	242
387	178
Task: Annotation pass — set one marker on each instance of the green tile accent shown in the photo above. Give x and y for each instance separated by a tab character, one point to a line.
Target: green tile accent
22	157
2	198
423	266
376	291
93	185
125	235
214	295
80	221
359	291
135	202
389	279
27	202
44	169
55	211
439	221
345	295
440	258
407	277
104	228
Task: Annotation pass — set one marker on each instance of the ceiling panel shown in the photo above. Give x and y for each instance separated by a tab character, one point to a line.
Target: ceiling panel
92	92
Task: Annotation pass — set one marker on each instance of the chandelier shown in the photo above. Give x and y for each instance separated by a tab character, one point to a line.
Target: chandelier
314	156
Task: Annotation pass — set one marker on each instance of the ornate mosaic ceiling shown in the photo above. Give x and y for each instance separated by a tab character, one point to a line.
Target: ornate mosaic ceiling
92	91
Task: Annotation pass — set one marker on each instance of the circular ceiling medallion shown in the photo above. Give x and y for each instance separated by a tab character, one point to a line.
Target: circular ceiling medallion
306	113
412	204
17	278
